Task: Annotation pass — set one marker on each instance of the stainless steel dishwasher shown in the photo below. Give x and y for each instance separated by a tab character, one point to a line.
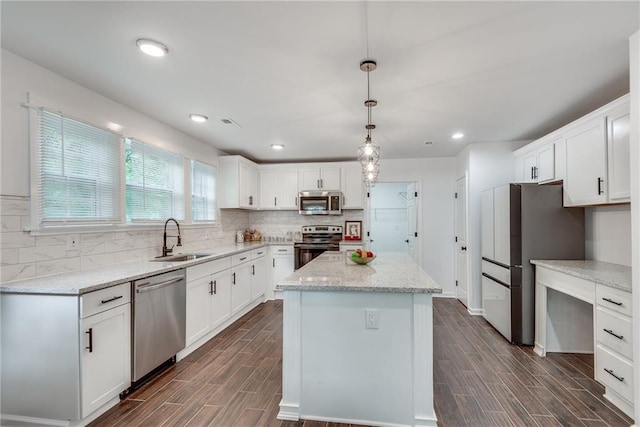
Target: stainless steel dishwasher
159	317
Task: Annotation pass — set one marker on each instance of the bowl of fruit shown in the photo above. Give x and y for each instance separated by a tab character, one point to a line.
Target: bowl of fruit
362	257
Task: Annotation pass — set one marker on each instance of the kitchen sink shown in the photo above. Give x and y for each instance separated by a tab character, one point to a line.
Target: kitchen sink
180	257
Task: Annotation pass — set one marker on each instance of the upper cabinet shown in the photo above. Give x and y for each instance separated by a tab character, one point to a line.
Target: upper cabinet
597	157
279	188
352	186
537	162
590	156
238	183
326	178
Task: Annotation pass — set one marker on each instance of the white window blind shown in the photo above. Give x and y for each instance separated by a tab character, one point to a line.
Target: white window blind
203	191
155	183
78	171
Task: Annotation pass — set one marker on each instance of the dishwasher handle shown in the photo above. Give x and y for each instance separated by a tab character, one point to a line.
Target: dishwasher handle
151	287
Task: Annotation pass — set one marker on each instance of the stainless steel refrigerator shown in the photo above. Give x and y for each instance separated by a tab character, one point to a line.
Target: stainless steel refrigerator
521	222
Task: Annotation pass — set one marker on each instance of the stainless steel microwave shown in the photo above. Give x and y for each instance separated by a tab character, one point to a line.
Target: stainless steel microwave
320	203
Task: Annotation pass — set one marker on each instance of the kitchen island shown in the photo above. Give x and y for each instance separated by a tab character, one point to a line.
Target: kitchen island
358	342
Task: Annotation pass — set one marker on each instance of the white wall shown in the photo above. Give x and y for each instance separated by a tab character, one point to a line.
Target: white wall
48	89
436	177
607	234
488	165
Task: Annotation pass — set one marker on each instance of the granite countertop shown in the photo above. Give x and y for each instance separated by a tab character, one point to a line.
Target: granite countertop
389	272
81	282
604	273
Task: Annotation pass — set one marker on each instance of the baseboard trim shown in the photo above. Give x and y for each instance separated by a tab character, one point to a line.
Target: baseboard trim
475	311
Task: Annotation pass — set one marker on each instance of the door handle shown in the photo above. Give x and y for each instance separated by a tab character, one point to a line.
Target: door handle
234	278
90	332
464	248
407	241
600	190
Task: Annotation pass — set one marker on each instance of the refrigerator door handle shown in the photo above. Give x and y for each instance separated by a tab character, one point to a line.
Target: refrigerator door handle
497	262
500	282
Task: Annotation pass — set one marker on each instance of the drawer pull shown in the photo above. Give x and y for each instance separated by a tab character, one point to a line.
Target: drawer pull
282	250
610	372
610	332
104	301
90	332
611	301
243	258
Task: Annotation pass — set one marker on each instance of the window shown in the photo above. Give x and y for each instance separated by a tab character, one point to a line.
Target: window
77	171
155	183
203	191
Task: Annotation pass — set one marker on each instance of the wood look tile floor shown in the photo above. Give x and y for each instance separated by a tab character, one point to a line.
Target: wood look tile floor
479	380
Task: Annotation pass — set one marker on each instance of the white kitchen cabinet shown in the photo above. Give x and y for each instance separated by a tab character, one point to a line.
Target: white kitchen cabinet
240	281
537	165
586	164
238	183
64	357
352	188
208	297
278	189
282	265
106	357
618	164
324	178
259	277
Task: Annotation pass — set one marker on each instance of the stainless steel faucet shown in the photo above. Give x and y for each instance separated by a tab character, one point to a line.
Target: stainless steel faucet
168	251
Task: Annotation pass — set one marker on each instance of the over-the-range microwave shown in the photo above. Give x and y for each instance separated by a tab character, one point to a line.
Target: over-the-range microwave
320	203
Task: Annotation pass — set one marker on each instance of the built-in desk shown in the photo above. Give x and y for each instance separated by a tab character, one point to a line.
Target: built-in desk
585	307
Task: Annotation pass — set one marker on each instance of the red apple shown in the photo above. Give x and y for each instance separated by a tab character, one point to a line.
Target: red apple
369	254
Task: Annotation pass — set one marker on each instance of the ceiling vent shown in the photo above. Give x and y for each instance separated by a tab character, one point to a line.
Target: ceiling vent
230	121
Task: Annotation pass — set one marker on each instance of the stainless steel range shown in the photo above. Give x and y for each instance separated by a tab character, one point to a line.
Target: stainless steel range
316	239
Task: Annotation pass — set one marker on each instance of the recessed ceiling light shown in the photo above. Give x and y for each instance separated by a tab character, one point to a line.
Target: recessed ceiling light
198	118
152	47
277	146
457	135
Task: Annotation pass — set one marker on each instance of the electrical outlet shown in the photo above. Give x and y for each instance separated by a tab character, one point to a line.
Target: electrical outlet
371	318
73	242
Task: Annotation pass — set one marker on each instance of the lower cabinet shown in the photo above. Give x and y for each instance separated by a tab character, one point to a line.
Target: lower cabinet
64	357
259	276
240	281
106	357
282	265
208	297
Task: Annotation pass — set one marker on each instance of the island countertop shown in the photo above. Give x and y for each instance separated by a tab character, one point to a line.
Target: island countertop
389	272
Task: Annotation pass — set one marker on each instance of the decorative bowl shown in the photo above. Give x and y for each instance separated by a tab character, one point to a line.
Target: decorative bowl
362	261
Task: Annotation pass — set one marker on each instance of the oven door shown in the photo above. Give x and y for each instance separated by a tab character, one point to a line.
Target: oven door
305	253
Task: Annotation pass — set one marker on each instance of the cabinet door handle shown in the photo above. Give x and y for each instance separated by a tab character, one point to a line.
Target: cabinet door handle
90	332
274	262
211	287
535	172
234	279
296	201
253	270
321	183
215	287
532	172
610	332
250	200
275	201
600	190
243	258
610	372
317	183
611	301
104	301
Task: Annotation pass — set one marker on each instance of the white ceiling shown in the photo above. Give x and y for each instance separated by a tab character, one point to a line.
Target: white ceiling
288	72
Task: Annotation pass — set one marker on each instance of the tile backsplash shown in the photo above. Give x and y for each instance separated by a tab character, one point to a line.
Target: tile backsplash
24	255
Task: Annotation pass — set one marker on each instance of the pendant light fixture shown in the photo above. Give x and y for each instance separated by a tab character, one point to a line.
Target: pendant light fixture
368	152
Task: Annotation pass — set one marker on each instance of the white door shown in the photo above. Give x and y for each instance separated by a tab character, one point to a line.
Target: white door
412	222
461	241
388	217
